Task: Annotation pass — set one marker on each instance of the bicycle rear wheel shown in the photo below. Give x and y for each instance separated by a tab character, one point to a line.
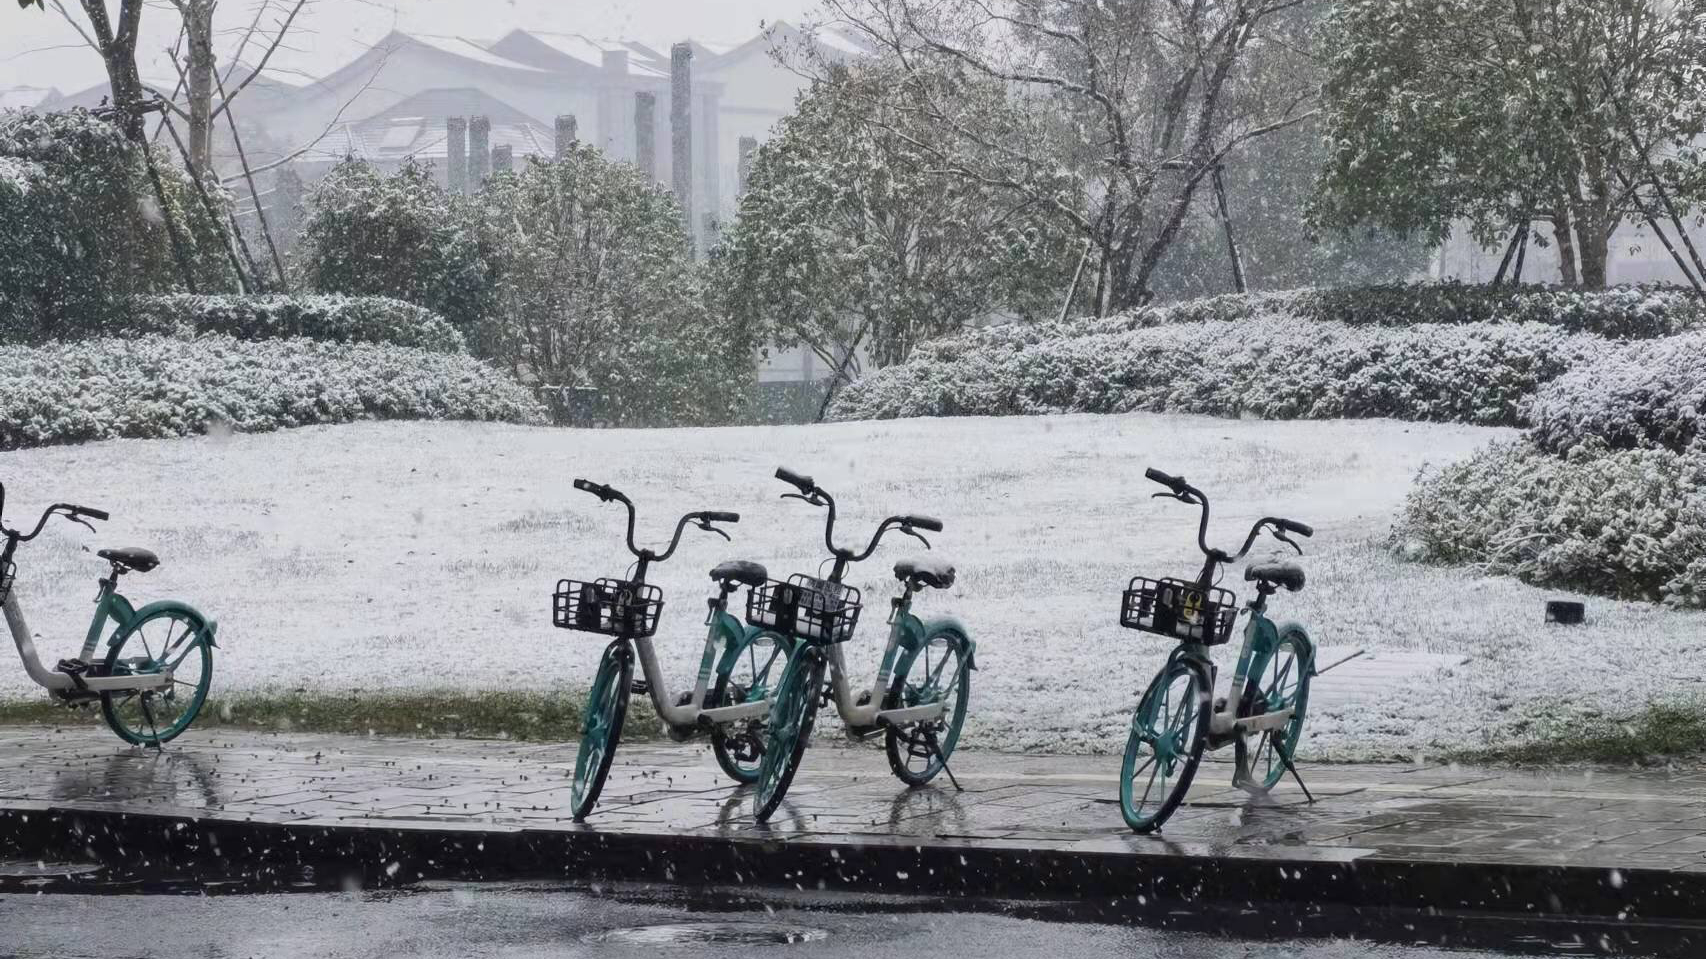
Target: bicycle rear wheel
791	717
937	673
606	708
170	638
758	668
1281	681
1168	733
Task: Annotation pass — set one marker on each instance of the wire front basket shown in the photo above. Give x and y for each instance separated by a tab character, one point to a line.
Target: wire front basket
8	573
1179	610
816	610
608	606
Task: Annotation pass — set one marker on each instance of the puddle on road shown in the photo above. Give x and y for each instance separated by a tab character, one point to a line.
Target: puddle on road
710	933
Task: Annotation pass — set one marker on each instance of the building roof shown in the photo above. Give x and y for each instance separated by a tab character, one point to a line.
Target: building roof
470	49
414	129
578	53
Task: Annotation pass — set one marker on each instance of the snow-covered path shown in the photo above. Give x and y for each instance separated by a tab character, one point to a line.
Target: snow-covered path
423	555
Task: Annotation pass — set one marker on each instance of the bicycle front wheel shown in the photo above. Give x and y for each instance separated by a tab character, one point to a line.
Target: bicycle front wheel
172	639
791	716
1279	682
938	673
606	708
1167	737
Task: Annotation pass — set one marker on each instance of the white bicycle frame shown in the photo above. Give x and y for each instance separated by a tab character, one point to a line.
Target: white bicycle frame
871	712
691	713
65	683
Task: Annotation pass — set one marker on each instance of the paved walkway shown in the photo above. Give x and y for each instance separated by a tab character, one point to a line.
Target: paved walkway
1606	828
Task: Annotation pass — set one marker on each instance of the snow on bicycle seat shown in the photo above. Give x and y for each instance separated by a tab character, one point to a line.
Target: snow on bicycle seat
741	571
929	571
131	557
1280	572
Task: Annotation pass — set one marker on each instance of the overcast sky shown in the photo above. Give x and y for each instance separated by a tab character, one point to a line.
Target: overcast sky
39	49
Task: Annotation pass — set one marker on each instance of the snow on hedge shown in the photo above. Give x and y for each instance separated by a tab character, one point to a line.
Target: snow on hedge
1628	523
16	174
341	319
154	386
419	555
1271	366
1645	394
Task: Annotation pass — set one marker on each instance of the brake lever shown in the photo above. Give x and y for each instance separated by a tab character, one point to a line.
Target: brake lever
1279	534
707	527
915	535
80	521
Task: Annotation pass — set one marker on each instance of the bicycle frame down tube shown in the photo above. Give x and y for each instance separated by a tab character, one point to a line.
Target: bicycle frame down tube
52	680
851	712
688	714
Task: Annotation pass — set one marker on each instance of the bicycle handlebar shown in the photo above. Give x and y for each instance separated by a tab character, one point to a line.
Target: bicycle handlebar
1175	483
1187	493
816	495
803	483
702	518
70	510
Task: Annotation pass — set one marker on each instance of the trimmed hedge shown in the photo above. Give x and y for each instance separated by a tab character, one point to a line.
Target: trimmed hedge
1271	367
158	386
1625	313
1626	523
1645	394
340	319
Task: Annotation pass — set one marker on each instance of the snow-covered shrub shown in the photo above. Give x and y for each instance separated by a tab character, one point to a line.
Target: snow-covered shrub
341	319
156	386
399	235
83	227
1625	312
1628	523
1644	394
1272	366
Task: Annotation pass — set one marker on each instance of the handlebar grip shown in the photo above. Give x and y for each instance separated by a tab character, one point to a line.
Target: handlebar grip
721	517
1293	526
923	522
99	514
597	489
804	484
1174	483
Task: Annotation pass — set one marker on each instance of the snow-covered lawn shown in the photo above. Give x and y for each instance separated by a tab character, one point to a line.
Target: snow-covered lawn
422	555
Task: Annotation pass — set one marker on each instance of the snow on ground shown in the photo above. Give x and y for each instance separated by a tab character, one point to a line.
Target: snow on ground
423	555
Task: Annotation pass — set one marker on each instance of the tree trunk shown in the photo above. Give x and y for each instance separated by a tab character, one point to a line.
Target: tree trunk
1595	241
198	31
1563	232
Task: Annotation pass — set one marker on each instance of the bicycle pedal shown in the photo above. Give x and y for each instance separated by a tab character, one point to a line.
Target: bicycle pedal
863	733
640	687
72	667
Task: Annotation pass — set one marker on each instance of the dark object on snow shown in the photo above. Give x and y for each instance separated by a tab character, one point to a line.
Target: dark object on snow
1564	612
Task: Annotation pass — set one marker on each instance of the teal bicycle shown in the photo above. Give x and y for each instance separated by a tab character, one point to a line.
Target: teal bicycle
1262	717
158	666
918	701
738	670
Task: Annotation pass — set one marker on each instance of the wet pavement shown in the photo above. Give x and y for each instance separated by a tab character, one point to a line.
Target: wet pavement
469	921
1625	846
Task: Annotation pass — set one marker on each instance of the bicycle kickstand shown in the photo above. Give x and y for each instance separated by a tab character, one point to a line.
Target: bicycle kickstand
148	712
1291	767
930	740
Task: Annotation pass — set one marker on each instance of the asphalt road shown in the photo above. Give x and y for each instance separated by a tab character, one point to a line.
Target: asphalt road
511	921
